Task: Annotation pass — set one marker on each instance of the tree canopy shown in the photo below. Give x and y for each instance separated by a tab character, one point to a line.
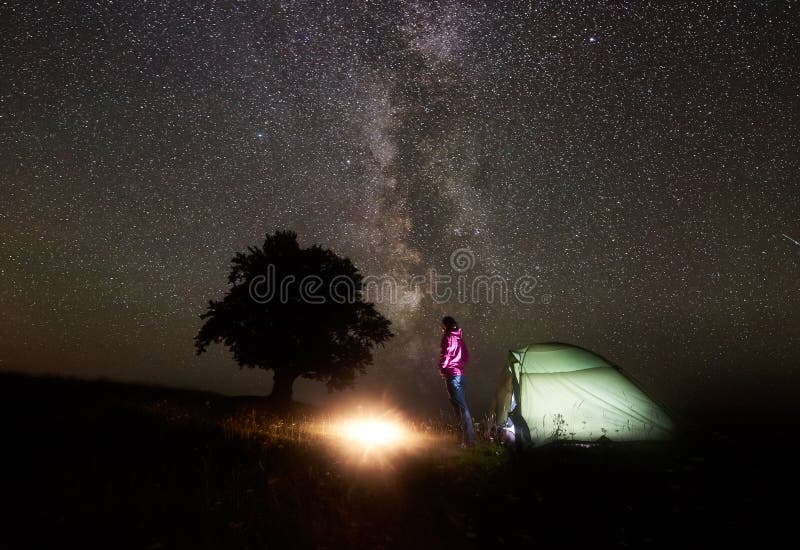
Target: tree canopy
298	312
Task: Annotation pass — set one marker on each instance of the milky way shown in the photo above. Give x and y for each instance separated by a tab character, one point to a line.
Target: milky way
637	162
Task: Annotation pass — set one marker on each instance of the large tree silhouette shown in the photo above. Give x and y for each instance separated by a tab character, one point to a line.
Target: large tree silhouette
298	312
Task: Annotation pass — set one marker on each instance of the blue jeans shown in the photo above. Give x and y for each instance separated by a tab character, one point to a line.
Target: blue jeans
455	387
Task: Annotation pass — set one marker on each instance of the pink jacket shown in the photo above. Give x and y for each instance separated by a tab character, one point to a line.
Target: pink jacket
454	354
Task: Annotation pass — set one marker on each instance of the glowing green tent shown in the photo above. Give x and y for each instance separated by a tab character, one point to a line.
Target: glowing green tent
558	391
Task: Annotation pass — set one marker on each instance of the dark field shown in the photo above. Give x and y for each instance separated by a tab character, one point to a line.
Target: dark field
102	465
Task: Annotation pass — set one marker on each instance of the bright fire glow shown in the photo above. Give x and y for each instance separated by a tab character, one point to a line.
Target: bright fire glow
375	438
373	432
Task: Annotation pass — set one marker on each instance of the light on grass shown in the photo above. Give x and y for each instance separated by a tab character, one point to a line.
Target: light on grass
373	432
375	439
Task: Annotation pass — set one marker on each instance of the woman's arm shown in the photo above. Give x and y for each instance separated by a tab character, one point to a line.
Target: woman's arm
446	353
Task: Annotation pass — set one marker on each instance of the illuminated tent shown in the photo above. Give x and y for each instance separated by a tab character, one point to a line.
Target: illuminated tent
562	392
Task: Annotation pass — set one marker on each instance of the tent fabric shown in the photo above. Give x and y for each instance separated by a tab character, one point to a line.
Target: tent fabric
566	392
550	358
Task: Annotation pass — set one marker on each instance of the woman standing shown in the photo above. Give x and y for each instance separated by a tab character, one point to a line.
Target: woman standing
451	367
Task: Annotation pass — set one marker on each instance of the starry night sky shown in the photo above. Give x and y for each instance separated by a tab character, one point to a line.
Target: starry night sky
639	159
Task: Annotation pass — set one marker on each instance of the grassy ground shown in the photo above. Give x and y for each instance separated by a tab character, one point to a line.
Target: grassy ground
101	465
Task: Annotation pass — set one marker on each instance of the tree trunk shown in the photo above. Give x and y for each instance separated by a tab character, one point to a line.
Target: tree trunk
282	387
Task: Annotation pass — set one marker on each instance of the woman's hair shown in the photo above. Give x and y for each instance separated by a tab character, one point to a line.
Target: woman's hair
449	323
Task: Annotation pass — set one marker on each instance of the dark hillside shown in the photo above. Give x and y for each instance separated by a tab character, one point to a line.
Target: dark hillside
95	464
